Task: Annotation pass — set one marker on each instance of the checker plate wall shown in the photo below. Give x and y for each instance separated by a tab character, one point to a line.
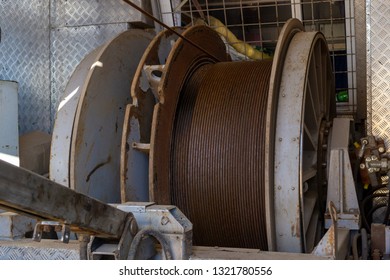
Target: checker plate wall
378	69
24	57
44	250
42	42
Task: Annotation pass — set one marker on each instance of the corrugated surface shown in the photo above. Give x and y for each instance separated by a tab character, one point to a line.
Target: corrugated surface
378	38
42	42
94	12
24	57
44	250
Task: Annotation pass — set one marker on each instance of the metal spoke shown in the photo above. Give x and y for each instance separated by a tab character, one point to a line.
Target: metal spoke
308	174
310	201
308	142
311	118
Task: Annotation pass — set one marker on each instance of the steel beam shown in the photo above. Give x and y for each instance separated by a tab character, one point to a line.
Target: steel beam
29	194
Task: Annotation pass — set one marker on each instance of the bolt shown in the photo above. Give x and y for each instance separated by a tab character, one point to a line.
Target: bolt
283	95
280	139
368	159
371	170
324	147
326	132
324	165
364	142
374	157
362	166
381	150
279	188
293	188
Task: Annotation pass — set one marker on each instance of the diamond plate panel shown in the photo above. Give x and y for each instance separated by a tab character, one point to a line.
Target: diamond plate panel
24	57
378	39
69	46
95	12
44	250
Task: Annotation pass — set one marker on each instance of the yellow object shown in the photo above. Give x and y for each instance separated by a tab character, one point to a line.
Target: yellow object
357	145
366	186
237	44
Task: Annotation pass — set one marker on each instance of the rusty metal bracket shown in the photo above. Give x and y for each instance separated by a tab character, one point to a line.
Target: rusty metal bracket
166	224
46	226
335	242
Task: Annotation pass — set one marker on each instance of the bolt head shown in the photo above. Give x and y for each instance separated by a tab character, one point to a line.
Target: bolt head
362	166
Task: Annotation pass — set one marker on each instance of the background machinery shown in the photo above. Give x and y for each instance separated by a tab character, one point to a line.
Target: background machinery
188	143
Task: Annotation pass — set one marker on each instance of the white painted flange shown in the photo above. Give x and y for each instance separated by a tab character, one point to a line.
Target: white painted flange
88	130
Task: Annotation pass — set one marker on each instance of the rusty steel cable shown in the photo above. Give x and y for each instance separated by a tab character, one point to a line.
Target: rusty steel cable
217	156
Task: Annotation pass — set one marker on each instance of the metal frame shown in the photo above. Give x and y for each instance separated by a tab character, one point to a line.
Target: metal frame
167	224
341	185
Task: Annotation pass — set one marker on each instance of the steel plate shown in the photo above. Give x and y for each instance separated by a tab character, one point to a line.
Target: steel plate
92	112
138	119
97	131
63	125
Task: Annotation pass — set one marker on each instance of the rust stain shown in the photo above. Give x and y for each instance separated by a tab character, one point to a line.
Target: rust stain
296	227
330	244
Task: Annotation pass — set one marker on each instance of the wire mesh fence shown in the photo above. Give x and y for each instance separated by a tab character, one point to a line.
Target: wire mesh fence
251	29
